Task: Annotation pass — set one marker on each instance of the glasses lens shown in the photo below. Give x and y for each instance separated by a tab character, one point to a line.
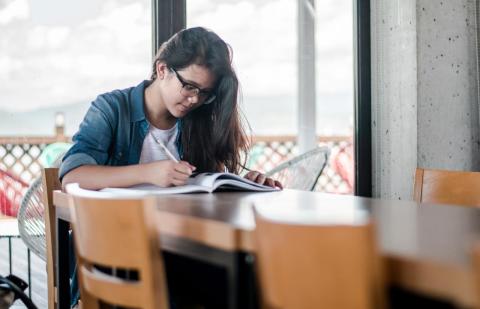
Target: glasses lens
189	90
203	98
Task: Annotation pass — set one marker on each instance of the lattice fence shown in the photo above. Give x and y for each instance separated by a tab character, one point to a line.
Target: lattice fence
337	177
22	159
19	165
20	156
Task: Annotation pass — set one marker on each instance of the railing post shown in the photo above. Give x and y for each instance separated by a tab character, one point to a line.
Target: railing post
10	254
29	270
59	126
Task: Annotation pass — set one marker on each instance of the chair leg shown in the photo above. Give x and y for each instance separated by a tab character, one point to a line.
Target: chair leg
87	302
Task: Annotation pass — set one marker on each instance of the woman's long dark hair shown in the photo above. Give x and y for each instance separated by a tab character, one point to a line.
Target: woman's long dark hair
212	135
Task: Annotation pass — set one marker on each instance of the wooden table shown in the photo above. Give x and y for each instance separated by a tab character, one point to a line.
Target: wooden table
426	248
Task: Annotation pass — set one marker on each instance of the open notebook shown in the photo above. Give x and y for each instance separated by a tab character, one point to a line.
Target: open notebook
203	182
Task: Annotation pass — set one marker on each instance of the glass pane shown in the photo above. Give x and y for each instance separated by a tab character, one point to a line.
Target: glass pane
334	67
264	38
58	61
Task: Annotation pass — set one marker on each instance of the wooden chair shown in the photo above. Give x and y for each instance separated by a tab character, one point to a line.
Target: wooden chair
476	271
317	266
119	235
447	187
50	182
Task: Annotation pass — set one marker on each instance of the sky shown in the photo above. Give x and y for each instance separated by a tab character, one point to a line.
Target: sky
58	52
263	35
71	53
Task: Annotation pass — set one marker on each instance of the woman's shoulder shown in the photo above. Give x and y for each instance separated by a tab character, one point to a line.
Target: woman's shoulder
119	100
115	97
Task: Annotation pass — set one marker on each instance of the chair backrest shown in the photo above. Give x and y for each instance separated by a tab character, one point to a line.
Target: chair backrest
50	182
317	266
447	187
36	212
475	259
31	219
303	171
118	234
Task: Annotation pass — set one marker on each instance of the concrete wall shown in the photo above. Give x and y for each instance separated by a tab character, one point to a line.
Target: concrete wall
394	97
424	91
448	128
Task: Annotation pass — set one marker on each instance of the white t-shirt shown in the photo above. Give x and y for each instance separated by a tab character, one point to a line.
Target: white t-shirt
151	151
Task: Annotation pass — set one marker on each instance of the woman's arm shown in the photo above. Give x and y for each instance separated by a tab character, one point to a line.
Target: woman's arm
162	173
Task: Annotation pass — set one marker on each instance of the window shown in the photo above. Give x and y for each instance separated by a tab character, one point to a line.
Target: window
58	60
263	38
263	35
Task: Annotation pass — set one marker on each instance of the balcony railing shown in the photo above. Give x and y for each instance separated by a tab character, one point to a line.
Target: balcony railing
269	151
19	156
17	259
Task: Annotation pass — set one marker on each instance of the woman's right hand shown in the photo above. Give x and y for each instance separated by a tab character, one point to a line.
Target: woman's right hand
167	173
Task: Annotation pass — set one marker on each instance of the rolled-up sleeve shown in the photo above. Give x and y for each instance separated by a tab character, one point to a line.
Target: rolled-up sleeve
75	160
93	139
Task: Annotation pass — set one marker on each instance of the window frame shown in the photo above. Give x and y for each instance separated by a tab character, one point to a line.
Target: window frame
169	16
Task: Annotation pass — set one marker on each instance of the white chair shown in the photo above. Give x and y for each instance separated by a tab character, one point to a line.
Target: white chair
303	171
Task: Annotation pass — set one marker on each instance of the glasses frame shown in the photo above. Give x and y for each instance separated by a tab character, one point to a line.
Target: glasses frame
190	90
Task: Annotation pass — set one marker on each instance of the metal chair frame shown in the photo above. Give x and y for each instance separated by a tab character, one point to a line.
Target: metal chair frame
298	159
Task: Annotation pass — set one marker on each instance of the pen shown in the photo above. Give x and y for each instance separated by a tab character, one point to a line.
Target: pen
167	152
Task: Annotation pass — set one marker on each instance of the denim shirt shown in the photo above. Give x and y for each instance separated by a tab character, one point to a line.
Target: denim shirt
112	131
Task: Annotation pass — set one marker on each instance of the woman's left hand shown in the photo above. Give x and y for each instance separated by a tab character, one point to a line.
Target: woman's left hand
262	179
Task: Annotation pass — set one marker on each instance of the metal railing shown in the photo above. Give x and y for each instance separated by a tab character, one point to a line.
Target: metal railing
10	264
16	258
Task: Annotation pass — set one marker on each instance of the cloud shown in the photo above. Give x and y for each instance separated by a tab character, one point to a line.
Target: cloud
263	38
263	35
45	63
17	9
55	64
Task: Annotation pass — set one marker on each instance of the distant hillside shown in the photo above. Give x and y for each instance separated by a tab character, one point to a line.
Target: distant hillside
266	115
41	122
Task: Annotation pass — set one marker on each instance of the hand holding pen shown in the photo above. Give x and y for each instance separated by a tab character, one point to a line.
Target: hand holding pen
171	172
165	149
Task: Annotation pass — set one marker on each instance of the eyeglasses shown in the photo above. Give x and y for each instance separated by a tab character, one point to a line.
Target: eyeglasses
189	90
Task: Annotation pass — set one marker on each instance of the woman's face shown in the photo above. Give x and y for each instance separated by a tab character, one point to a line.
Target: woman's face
178	87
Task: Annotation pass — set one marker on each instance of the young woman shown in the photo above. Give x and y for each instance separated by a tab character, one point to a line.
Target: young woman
190	105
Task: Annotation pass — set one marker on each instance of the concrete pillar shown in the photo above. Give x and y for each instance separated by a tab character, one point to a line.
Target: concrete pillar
394	97
448	125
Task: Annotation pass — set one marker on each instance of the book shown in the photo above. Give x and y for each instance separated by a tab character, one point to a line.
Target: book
202	182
